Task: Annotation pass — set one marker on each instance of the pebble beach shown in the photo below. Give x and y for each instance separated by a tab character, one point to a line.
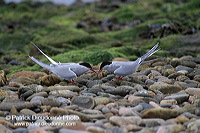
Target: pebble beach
161	97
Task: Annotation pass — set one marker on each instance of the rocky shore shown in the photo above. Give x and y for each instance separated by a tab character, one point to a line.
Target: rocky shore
161	97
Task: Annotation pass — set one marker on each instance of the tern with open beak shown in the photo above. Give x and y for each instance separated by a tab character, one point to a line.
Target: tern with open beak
126	68
66	71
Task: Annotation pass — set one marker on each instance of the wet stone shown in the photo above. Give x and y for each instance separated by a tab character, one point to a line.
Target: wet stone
63	93
195	72
123	111
49	80
189	115
118	120
106	110
101	100
142	94
43	94
51	102
20	130
63	100
26	94
152	122
172	128
27	112
91	83
118	91
84	102
137	108
165	88
94	90
178	68
146	106
171	101
55	111
163	113
70	88
194	126
37	100
180	98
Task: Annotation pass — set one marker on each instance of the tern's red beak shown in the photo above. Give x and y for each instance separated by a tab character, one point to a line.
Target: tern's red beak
93	70
99	71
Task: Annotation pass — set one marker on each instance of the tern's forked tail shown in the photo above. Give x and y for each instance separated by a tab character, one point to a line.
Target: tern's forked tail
150	52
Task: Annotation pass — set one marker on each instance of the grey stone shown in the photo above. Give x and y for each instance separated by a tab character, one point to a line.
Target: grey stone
179	98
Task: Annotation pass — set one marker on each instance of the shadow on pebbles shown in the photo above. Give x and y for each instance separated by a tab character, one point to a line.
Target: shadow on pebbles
162	97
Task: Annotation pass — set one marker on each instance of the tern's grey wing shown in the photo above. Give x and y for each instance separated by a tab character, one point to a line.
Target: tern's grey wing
78	69
112	67
51	60
128	69
41	63
150	52
64	72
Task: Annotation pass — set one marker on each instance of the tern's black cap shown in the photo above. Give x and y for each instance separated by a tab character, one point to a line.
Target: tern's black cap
104	64
86	65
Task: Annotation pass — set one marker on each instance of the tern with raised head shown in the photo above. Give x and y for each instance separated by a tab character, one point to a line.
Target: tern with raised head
66	71
122	69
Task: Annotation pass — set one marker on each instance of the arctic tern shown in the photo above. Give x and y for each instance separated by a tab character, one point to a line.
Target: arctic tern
126	68
66	71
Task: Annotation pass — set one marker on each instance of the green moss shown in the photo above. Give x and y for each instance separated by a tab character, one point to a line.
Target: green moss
63	20
97	57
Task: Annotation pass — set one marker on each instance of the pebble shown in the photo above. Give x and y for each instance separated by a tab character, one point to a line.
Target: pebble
160	98
173	128
146	106
55	111
43	94
94	90
51	102
152	122
4	129
27	112
180	67
63	100
49	80
194	126
20	130
37	100
180	98
162	113
193	91
123	111
84	102
135	100
118	120
101	100
171	101
9	102
91	111
137	108
63	93
64	130
3	78
95	129
131	127
105	110
91	83
194	72
165	88
70	88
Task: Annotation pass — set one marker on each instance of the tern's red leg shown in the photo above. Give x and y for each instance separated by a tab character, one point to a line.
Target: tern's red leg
119	77
72	82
